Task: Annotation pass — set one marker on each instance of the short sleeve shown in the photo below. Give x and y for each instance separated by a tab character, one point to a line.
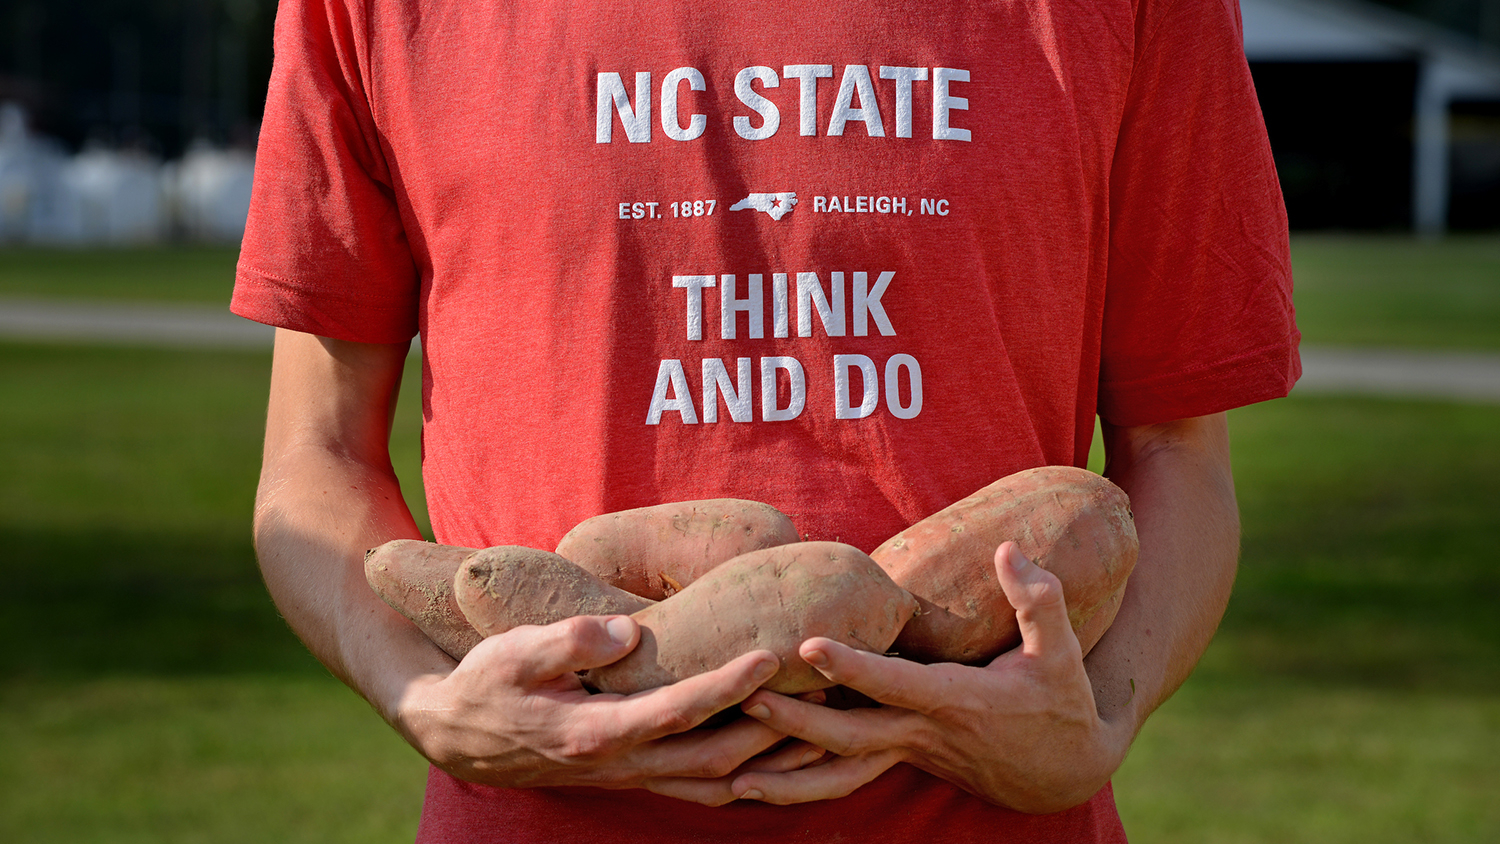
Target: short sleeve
1198	303
325	251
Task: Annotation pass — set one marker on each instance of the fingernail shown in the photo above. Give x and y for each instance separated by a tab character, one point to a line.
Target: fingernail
817	659
766	670
759	711
1017	560
620	629
752	794
810	757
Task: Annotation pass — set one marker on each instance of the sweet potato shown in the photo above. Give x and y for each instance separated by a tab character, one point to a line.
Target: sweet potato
509	585
656	551
774	598
416	578
1067	520
1091	629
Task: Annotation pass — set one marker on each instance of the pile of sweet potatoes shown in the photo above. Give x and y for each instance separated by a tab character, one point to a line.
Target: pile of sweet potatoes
710	580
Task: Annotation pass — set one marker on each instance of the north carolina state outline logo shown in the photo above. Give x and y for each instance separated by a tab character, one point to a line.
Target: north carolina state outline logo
778	205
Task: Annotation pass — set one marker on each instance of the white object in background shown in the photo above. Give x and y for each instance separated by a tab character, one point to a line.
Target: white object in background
35	204
119	195
210	188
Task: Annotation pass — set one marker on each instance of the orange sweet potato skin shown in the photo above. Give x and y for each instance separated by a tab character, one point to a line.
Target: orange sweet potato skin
774	598
656	551
416	578
1070	521
509	585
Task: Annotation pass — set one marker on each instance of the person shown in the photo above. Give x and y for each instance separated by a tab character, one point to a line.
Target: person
854	260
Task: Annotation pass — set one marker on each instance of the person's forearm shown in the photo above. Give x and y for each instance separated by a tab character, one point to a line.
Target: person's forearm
514	713
327	494
1182	494
316	515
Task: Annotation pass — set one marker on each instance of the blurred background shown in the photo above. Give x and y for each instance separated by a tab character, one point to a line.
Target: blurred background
129	121
150	692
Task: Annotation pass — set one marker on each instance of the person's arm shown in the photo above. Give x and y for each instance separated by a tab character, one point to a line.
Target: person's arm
513	713
1040	729
1181	488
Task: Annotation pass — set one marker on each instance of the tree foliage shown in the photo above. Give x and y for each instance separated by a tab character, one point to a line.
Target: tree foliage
150	73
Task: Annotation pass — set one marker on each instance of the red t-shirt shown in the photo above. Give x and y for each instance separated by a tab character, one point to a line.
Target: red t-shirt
853	259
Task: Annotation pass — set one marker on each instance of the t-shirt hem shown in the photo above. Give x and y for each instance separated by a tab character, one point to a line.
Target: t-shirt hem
281	303
911	805
1265	373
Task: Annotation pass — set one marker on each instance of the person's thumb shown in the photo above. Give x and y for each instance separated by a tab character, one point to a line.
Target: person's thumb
1037	596
574	644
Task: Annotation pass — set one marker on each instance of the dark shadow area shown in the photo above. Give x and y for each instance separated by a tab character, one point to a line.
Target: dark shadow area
1383	633
1341	135
1474	190
149	76
91	603
126	496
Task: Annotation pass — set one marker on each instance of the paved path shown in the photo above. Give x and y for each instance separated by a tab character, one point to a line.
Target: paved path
197	326
1466	376
1471	377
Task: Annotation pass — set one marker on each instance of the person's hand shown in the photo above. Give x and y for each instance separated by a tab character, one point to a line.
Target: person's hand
513	713
1022	732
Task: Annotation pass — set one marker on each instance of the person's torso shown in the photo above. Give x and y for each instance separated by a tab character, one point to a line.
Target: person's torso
846	258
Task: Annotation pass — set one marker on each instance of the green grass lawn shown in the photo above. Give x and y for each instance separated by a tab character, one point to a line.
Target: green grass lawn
1353	691
1364	290
184	274
148	689
227	758
150	692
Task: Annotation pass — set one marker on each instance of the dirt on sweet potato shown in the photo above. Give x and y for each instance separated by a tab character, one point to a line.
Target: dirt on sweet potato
507	586
416	578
